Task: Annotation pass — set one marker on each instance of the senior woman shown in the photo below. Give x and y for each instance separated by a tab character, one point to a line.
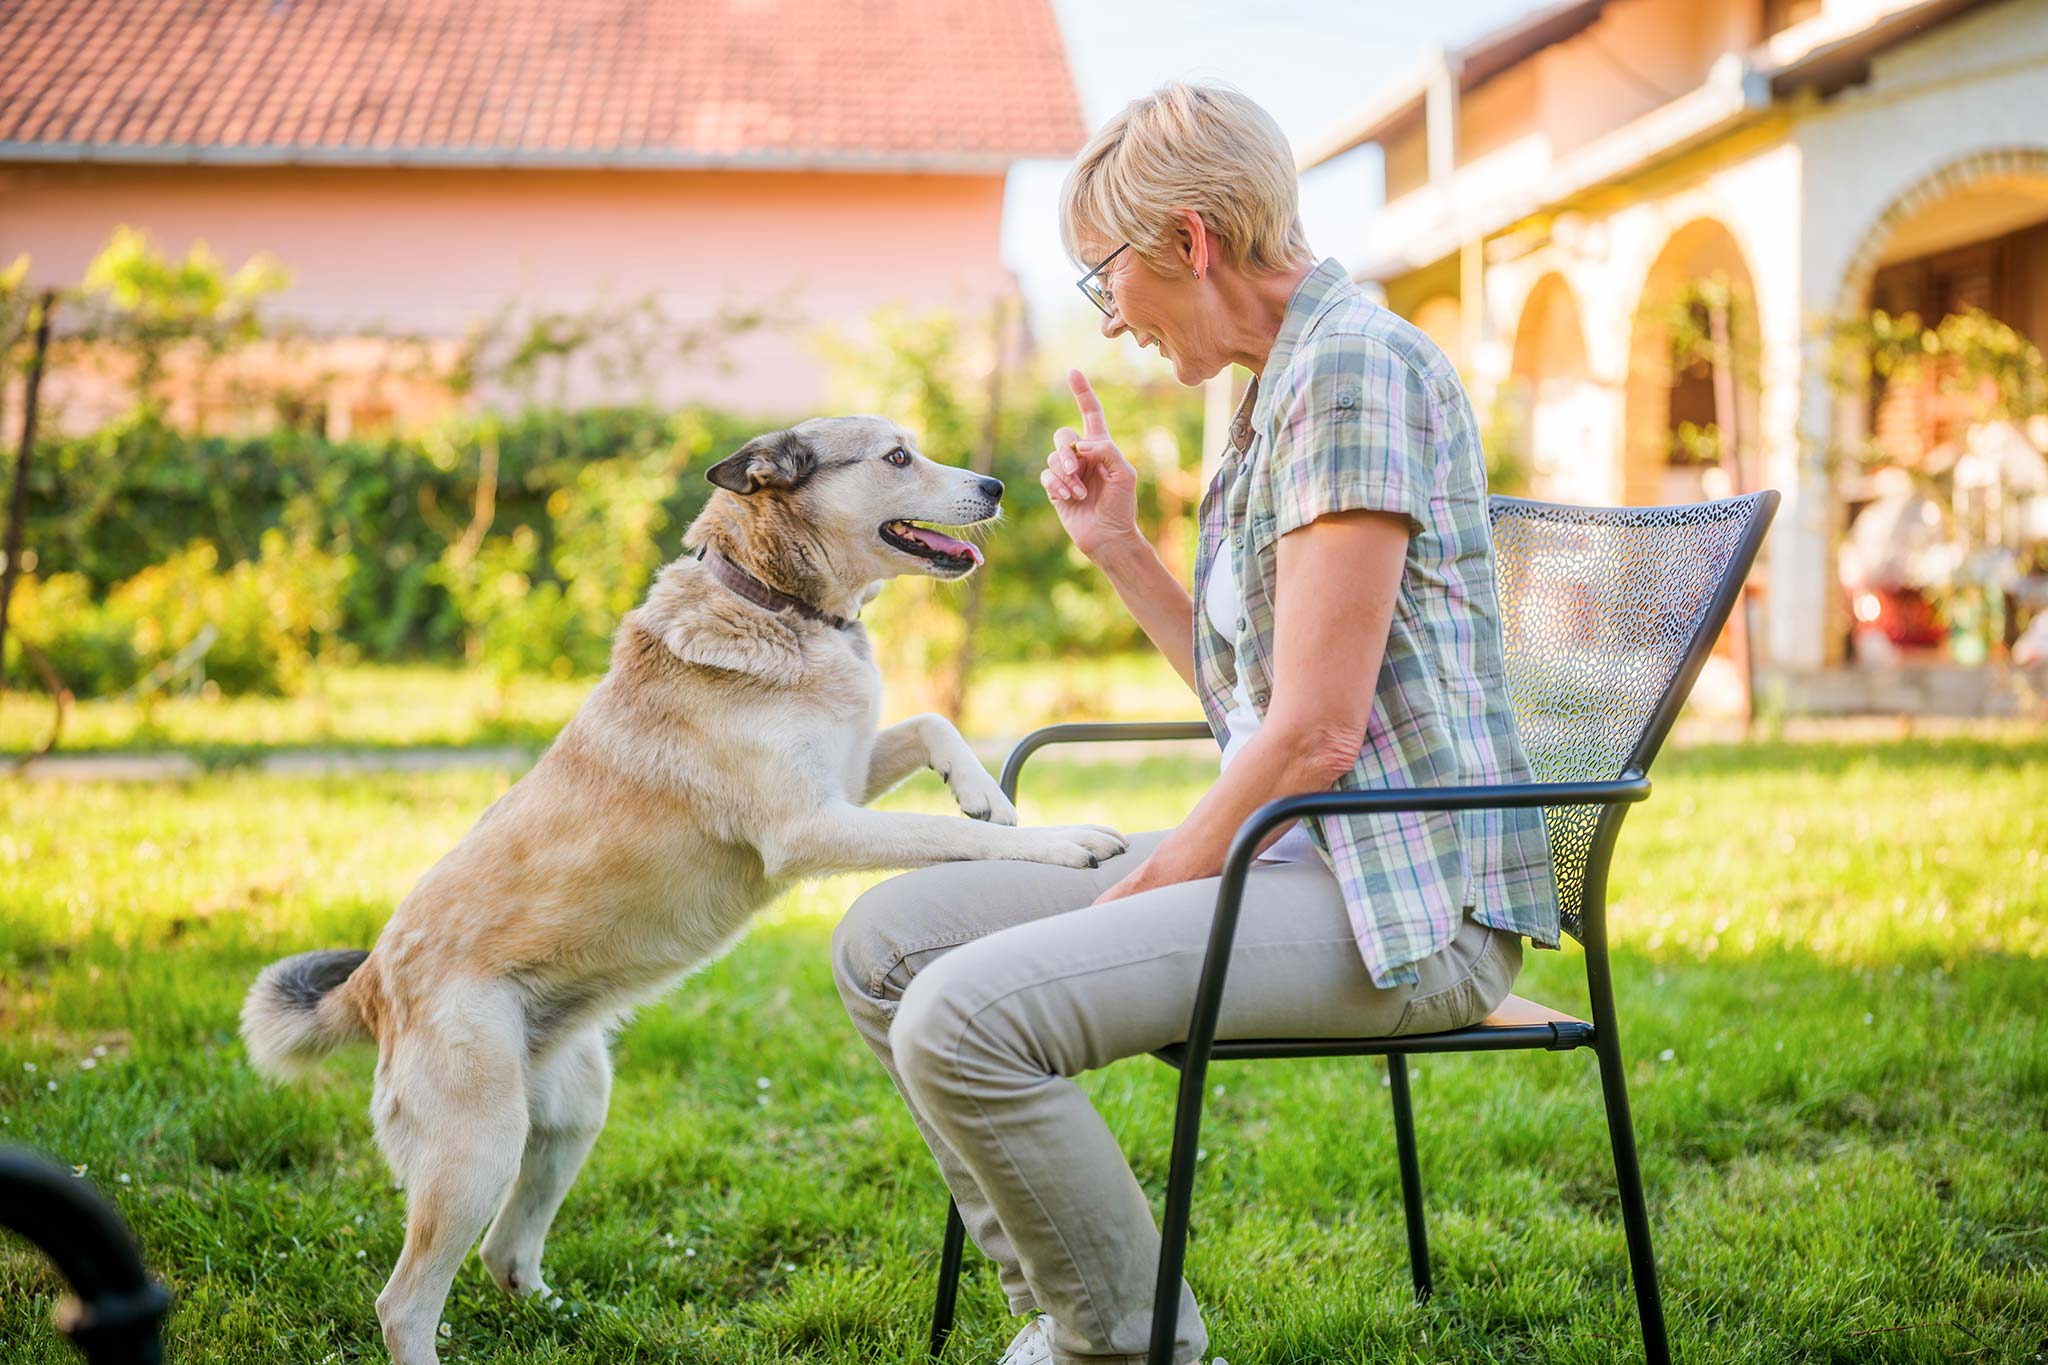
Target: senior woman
1344	631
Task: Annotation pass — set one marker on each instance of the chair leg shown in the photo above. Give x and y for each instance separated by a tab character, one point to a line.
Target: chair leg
949	1278
1411	1177
1635	1219
1173	1224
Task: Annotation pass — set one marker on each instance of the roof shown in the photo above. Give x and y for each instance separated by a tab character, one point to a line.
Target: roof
1474	64
923	85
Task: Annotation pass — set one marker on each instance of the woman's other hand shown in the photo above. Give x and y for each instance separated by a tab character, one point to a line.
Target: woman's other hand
1093	487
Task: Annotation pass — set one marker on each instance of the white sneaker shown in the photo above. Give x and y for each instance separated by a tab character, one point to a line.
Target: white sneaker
1032	1345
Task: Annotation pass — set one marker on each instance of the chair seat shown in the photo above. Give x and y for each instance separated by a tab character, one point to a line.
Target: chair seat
1515	1025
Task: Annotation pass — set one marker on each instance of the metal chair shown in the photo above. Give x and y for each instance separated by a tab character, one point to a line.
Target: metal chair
1609	615
118	1308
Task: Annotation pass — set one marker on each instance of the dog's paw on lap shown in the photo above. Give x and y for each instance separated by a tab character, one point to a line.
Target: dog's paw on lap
1072	845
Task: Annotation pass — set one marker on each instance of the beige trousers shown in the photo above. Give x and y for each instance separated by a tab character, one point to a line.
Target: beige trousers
984	987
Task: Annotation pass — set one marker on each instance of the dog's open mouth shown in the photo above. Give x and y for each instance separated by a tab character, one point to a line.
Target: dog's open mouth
942	550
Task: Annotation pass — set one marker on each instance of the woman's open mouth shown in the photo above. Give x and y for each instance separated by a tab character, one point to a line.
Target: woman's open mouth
941	550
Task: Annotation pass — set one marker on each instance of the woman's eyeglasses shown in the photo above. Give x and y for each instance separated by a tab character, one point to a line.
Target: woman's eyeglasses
1095	284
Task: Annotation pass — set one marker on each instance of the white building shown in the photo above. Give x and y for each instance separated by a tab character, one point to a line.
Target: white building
1563	193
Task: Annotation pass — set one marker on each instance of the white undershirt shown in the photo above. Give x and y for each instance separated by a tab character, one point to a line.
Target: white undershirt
1225	605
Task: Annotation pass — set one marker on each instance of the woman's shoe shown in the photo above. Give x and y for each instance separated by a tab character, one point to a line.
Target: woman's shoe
1032	1345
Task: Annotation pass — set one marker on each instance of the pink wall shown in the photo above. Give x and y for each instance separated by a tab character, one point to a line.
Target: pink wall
427	251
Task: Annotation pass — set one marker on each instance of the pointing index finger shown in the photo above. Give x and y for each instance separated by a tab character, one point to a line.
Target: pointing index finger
1093	425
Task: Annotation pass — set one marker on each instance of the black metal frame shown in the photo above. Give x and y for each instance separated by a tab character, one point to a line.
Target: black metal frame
1602	1035
119	1307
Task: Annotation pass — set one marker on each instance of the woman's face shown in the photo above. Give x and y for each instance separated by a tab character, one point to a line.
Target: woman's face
1170	310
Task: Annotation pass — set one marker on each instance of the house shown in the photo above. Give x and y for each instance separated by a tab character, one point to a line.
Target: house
420	166
1654	234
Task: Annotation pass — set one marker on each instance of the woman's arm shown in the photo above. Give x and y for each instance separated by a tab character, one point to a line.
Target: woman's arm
1156	599
1338	579
1095	491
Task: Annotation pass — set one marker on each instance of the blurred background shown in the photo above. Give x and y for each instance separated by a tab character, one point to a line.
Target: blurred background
386	341
360	361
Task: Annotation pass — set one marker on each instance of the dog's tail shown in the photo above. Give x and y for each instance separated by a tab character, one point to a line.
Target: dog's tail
295	1015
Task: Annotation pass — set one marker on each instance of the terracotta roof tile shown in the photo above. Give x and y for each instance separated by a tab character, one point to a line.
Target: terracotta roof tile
969	84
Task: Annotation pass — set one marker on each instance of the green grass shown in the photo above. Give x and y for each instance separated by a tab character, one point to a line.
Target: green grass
383	706
1832	961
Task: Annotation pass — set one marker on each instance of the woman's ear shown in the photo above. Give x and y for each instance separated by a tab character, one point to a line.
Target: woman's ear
1192	237
780	459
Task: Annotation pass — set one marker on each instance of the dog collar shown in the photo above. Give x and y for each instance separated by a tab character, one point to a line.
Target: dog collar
744	584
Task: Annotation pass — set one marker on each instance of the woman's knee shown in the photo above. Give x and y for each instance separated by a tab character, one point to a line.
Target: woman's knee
940	1020
866	943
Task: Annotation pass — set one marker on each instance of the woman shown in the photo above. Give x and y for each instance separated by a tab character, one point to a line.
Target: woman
1347	635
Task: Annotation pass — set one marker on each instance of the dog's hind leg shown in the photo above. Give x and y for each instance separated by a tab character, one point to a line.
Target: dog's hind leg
450	1113
567	1093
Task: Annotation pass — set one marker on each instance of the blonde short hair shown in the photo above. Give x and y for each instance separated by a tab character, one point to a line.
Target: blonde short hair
1184	146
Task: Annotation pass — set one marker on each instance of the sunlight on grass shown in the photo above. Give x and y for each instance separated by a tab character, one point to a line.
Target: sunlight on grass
1832	962
437	706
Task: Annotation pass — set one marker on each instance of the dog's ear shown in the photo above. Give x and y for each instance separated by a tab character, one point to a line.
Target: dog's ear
778	460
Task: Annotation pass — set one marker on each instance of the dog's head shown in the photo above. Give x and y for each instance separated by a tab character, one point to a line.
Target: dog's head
861	488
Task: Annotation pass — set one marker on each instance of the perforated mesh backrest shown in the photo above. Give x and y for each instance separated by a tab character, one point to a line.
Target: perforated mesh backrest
1608	613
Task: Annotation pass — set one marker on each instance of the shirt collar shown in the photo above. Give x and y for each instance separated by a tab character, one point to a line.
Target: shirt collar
1322	289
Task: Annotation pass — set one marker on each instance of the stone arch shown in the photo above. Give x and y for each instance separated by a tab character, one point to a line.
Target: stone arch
2020	164
1658	397
1553	400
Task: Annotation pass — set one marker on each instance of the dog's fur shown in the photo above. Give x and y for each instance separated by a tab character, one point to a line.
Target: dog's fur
729	750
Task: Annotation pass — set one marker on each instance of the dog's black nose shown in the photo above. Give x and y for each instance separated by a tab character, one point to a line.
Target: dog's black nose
992	489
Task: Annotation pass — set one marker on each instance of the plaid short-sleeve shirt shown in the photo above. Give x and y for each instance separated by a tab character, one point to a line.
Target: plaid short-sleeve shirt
1358	410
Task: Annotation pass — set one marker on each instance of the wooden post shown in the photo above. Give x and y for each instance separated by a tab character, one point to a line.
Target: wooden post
17	511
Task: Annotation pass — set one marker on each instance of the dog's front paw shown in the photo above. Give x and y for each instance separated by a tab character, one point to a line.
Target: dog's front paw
979	796
1074	845
984	801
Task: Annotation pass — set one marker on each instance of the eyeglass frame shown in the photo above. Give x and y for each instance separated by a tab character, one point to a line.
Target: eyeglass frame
1095	293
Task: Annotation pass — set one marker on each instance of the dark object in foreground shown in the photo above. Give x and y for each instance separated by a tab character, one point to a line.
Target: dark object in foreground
118	1308
1609	615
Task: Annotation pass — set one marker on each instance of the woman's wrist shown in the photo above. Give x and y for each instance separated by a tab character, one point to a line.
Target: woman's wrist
1124	555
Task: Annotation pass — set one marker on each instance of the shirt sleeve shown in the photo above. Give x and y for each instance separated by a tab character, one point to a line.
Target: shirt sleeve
1355	432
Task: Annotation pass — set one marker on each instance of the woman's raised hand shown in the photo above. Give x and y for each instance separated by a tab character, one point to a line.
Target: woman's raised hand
1093	487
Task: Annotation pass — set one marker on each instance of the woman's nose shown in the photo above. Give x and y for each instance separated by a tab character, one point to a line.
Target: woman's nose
1113	325
992	489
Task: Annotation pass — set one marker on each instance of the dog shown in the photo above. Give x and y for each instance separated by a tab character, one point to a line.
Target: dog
729	750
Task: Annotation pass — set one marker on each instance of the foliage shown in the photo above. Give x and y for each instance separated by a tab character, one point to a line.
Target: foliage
1710	326
271	616
108	505
1973	352
149	307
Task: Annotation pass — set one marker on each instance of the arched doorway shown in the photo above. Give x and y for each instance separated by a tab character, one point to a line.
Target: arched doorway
1695	360
1552	402
1942	425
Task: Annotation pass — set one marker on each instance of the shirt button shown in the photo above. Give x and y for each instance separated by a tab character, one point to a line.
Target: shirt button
1237	540
1240	625
1347	397
1259	697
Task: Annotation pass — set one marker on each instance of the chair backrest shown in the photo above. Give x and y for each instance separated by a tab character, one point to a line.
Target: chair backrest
1609	614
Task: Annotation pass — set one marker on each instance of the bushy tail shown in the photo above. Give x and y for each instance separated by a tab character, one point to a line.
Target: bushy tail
294	1016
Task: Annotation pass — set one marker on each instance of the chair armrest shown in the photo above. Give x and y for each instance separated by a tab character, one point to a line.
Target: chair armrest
1094	733
1626	789
1244	846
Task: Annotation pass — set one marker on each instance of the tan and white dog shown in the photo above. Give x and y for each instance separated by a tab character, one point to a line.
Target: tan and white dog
730	749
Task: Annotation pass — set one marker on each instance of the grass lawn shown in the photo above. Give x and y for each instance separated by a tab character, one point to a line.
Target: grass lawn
1832	961
378	706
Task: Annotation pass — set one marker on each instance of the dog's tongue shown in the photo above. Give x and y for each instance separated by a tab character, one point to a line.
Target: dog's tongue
940	541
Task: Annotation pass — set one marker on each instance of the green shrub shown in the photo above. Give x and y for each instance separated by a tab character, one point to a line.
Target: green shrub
271	616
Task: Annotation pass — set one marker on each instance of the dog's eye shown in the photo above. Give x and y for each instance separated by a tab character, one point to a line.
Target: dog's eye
898	457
